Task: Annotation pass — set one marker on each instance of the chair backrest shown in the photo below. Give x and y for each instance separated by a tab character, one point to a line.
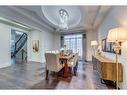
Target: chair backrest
48	51
75	59
52	51
52	61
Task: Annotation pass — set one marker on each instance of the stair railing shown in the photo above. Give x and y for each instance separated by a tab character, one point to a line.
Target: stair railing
24	58
19	44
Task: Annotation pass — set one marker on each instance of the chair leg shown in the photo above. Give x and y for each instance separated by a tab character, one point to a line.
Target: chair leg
70	71
74	70
57	73
47	71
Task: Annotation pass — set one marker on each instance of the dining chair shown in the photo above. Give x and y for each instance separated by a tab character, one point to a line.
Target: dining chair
73	63
52	63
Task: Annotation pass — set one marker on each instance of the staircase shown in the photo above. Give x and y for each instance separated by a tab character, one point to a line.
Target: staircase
19	44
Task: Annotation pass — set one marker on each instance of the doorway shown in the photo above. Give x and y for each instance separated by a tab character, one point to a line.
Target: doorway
18	46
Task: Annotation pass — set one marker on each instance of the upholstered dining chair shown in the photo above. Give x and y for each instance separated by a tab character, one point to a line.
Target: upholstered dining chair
73	63
52	63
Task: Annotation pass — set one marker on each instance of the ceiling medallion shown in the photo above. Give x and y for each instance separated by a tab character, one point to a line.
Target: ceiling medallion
63	19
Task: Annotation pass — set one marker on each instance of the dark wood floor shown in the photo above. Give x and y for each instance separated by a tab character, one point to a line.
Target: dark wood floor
31	75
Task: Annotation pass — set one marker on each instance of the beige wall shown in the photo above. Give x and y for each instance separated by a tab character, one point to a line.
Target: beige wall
116	17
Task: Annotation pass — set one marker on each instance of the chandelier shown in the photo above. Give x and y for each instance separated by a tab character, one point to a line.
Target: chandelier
63	19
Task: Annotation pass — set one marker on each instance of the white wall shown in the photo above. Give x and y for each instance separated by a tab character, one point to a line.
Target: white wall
50	41
5	44
34	56
57	42
90	35
47	41
5	47
116	17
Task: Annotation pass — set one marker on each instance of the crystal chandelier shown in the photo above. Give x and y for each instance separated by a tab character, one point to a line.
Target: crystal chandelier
63	19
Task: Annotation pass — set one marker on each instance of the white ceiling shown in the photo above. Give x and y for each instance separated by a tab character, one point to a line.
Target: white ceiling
52	14
80	17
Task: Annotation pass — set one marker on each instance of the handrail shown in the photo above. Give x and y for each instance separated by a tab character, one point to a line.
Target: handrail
21	45
24	51
19	38
18	41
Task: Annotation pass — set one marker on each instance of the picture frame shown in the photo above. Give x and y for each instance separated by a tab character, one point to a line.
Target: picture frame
112	50
108	46
104	45
35	46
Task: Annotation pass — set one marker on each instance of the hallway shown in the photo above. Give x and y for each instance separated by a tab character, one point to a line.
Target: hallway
31	76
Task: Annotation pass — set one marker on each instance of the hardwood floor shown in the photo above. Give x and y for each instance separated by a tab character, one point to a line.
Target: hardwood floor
31	75
21	75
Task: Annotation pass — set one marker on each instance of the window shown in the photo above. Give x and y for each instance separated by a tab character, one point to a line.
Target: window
74	42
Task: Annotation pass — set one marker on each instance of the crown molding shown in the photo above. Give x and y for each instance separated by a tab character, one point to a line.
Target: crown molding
23	17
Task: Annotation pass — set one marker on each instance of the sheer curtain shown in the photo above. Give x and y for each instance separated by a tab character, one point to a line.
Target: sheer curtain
74	42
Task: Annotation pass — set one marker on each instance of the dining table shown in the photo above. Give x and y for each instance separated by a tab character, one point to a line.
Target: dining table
65	58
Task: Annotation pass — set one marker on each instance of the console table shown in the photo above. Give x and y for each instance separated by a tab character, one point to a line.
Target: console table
106	68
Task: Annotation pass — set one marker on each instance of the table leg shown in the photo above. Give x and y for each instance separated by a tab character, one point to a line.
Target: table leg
65	68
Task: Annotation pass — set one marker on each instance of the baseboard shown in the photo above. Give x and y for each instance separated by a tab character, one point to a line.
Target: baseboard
35	62
5	65
31	60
